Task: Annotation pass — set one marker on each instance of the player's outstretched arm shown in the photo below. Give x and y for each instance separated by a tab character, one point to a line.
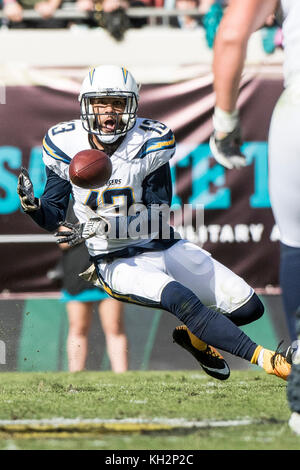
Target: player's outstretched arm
240	20
26	193
51	207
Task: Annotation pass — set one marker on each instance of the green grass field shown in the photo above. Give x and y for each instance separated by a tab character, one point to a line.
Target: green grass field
144	410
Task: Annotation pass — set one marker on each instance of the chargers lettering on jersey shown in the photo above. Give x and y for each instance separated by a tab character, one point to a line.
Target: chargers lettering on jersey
112	182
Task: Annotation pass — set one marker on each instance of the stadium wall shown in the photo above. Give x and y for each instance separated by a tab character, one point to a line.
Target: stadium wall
33	332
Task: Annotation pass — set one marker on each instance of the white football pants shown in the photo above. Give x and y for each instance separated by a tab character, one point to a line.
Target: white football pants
142	278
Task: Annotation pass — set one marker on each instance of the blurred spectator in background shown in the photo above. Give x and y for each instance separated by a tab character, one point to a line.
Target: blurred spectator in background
80	298
84	5
209	17
272	37
112	15
138	22
205	5
186	21
213	14
14	12
154	3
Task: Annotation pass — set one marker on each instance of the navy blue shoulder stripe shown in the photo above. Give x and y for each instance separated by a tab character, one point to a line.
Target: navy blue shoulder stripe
156	144
55	152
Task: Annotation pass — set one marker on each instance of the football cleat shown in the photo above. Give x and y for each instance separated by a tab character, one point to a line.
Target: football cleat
208	357
276	363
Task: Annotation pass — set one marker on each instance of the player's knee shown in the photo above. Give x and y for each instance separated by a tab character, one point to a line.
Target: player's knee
255	308
248	313
176	299
186	306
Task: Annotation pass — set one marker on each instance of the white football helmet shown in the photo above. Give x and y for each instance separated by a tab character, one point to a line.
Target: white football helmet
108	81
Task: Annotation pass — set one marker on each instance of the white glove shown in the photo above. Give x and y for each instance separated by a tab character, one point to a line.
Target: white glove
98	226
77	233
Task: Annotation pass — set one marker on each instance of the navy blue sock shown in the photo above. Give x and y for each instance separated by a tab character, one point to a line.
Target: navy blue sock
247	313
290	285
210	326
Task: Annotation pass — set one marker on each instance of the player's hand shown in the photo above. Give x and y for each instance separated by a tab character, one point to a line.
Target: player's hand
225	142
46	9
72	235
13	11
77	233
226	150
25	191
97	226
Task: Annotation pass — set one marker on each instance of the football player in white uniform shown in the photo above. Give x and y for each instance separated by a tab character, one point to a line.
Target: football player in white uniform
240	21
137	257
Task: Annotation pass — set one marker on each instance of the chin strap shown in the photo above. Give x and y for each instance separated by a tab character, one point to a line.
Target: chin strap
108	148
108	139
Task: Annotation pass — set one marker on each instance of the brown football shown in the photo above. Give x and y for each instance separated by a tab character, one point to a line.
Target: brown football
90	169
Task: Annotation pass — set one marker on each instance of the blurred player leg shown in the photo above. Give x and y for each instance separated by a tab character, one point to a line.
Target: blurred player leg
80	316
284	183
293	388
111	316
290	282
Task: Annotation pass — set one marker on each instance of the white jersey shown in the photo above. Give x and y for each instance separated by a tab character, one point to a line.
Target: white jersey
291	38
146	148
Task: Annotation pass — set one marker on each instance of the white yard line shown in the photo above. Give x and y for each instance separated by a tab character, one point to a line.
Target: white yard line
77	422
